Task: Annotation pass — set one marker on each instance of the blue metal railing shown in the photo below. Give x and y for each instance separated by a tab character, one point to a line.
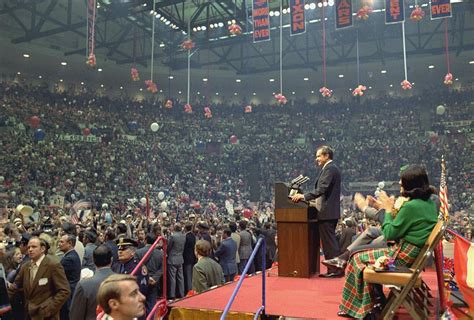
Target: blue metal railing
261	309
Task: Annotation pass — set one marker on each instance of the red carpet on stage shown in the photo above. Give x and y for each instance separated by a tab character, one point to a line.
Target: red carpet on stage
314	298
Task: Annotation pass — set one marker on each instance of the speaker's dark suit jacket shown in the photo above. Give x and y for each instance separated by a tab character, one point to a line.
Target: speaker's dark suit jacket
328	189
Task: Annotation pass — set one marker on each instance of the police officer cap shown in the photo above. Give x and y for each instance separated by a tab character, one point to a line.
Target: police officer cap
123	243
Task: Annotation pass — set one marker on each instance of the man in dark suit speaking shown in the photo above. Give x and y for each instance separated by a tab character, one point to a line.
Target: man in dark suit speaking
326	199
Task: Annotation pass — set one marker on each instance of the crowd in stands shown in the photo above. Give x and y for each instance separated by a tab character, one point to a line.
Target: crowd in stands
190	172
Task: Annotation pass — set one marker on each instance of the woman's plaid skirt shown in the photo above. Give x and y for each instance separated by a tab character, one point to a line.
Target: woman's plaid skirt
356	299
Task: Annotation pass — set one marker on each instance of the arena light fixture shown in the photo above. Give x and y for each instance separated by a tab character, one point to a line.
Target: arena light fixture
383	71
82	82
26	55
293	92
312	6
198	92
60	80
471	62
312	91
271	80
101	85
238	80
18	72
141	89
277	13
272	13
331	3
121	88
64	63
235	93
162	45
320	5
341	76
305	79
40	77
221	24
100	70
204	79
306	6
254	94
391	86
203	28
431	66
179	92
171	77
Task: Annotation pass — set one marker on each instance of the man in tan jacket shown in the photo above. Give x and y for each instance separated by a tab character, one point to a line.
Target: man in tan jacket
43	282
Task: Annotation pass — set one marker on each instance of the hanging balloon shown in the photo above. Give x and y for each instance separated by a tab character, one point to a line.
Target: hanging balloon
440	110
39	135
143	201
363	13
35	122
151	86
135	74
248	109
187	44
359	91
235	29
169	104
91	61
417	14
2	178
233	139
105	206
280	98
448	79
325	92
207	112
406	85
154	127
188	108
86	131
161	195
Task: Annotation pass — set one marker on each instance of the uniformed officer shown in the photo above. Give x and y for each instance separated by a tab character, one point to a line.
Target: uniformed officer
127	261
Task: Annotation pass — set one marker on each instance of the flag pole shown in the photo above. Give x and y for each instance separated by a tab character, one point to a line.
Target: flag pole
439	260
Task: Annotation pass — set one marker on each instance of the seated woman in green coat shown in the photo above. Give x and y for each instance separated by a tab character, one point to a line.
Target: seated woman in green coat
409	222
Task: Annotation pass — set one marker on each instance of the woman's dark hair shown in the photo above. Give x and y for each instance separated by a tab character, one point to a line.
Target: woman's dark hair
415	183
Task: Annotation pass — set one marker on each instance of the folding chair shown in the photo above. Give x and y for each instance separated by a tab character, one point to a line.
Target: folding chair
408	288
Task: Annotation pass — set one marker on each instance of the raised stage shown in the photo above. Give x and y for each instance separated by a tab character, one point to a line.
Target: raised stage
314	298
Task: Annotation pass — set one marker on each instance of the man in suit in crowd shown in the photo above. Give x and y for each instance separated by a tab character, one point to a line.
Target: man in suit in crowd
236	237
72	267
245	248
226	255
189	256
84	301
44	283
326	193
206	272
120	298
154	265
175	262
90	237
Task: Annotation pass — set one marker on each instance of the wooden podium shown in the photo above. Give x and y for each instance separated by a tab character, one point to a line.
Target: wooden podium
298	236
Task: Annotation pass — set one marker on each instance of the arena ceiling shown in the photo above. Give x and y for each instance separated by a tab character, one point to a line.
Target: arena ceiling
54	31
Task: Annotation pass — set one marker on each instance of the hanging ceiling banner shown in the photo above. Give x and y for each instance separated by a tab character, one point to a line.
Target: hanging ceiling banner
394	11
343	14
440	9
298	25
261	20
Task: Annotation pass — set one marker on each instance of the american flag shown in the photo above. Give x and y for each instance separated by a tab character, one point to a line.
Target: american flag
443	192
76	208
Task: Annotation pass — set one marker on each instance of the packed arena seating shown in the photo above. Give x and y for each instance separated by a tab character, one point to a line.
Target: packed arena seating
191	158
